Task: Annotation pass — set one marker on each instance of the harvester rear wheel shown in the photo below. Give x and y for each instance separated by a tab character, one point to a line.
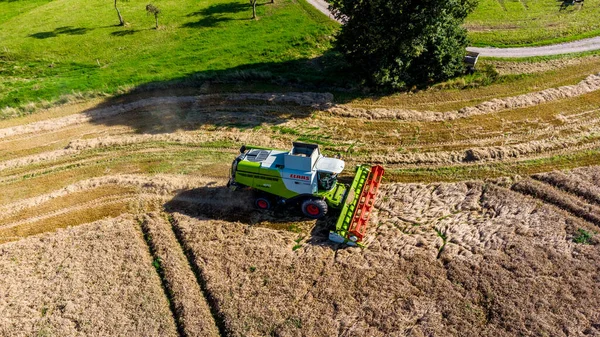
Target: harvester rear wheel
314	208
262	203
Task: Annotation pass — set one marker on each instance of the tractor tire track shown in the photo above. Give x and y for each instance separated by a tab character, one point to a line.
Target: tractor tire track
211	299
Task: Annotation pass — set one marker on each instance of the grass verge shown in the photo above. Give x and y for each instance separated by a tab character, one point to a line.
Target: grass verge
500	23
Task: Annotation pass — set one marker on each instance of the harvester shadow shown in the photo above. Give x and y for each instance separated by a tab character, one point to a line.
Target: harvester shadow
216	203
221	204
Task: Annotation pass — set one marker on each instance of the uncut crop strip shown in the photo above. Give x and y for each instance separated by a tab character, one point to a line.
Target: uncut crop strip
575	186
191	310
560	199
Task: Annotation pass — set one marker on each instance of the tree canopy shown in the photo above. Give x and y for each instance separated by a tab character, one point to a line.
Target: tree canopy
400	43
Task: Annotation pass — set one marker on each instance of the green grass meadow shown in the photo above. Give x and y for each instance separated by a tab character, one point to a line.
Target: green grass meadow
53	48
507	23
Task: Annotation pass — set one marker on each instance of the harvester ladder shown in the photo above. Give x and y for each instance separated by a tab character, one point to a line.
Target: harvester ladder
366	201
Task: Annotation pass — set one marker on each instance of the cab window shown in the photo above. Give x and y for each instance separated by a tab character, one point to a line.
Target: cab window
326	180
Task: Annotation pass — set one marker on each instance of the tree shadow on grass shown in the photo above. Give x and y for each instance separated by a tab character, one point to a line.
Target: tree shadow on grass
209	21
125	32
565	4
222	8
215	14
211	98
67	30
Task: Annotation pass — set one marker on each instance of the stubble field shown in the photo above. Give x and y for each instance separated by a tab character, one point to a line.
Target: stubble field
115	210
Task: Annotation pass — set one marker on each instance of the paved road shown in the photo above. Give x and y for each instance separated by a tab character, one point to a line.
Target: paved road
555	49
322	6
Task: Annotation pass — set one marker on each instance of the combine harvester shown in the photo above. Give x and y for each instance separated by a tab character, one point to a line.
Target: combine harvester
304	177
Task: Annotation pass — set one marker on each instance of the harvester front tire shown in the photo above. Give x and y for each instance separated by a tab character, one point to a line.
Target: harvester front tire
262	203
314	208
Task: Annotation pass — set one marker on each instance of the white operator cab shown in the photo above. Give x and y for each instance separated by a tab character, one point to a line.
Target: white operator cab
306	160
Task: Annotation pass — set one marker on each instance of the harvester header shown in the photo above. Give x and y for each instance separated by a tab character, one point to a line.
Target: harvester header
304	177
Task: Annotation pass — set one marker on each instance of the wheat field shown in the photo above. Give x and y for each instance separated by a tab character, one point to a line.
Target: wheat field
115	219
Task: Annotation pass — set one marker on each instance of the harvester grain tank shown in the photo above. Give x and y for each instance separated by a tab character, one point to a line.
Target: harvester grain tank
304	177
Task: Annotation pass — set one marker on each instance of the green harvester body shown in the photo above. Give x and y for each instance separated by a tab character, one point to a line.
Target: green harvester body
305	177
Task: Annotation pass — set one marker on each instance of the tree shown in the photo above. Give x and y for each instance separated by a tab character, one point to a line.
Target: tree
121	22
151	9
403	43
253	3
